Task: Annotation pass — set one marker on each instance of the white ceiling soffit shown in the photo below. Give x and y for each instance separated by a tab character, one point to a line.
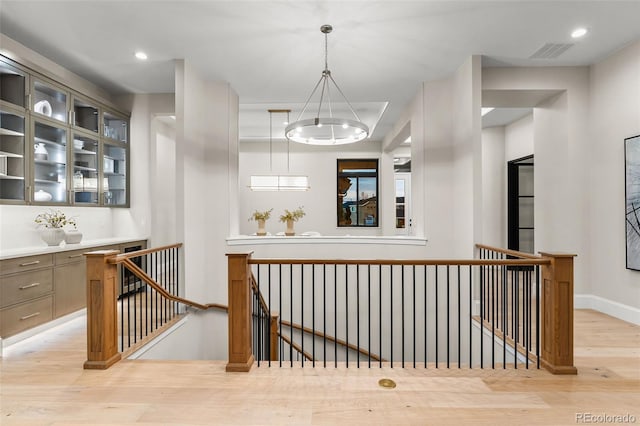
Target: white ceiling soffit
504	116
516	98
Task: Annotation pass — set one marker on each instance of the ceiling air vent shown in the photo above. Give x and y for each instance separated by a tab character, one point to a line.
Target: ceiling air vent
551	50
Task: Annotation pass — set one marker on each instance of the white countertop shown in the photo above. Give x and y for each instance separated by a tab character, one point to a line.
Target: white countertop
44	249
325	239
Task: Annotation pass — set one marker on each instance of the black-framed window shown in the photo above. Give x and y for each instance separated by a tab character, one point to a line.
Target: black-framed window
357	200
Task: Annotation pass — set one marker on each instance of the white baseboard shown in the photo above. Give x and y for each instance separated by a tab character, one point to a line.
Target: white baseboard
606	306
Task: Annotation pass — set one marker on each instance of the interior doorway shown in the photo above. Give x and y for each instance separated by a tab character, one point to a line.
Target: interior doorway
520	204
402	185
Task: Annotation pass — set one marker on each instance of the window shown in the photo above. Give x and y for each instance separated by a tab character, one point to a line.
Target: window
358	193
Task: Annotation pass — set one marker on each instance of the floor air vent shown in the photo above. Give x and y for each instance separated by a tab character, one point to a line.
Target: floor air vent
551	50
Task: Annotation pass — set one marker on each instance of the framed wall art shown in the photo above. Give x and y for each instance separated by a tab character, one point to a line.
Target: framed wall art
632	201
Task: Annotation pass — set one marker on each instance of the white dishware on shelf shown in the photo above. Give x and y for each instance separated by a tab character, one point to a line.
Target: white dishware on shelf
42	196
40	152
78	144
43	107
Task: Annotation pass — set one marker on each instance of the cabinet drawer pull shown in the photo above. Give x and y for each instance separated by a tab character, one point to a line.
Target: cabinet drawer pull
24	287
35	262
29	316
75	255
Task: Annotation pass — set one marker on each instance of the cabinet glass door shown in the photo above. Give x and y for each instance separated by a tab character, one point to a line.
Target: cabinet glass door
49	101
50	164
115	175
12	85
12	164
115	127
85	169
85	115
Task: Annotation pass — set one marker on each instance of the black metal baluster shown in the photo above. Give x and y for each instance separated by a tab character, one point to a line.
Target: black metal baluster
413	268
436	312
471	316
281	351
391	310
494	311
380	314
426	309
313	314
346	310
504	315
324	315
268	312
257	296
402	309
291	314
301	313
369	313
482	309
357	315
459	317
516	319
448	332
537	316
335	313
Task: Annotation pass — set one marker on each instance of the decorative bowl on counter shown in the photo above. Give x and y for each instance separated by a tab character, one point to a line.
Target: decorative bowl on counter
72	236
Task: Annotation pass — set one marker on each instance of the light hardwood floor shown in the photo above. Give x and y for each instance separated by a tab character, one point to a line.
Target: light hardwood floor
42	383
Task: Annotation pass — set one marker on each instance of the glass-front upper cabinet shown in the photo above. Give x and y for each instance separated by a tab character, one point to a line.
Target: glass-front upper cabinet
115	170
85	114
115	127
12	85
85	169
12	153
50	101
49	163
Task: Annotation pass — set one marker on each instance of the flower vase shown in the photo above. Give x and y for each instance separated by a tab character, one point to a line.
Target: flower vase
73	236
261	231
52	236
289	232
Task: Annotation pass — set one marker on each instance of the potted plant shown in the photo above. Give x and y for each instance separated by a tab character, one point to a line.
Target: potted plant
291	216
51	224
261	218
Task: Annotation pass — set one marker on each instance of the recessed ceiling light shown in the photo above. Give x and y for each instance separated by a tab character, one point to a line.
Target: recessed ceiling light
141	55
579	32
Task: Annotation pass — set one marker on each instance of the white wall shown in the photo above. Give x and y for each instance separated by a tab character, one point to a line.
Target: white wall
163	215
519	138
206	132
561	144
614	116
494	170
320	165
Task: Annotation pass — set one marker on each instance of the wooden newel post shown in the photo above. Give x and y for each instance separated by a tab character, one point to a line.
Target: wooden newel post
102	296
556	348
240	353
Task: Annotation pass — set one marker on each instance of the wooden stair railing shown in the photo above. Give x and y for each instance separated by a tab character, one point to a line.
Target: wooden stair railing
102	296
556	304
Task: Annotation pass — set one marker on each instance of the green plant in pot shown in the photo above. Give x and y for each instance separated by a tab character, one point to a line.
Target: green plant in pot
261	217
51	224
289	217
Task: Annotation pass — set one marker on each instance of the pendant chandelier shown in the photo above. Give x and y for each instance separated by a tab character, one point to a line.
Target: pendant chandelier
326	130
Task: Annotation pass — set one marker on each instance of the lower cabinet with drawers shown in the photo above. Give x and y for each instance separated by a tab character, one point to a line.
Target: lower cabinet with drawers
37	289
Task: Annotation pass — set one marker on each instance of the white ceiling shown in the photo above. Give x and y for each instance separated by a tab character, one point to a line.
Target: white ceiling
271	52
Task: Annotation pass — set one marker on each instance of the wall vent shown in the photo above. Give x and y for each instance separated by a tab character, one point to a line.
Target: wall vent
551	50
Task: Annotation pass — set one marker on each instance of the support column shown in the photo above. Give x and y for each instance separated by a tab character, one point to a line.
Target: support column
240	352
102	296
556	346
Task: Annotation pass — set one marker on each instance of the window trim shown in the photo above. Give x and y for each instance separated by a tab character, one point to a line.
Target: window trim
375	175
